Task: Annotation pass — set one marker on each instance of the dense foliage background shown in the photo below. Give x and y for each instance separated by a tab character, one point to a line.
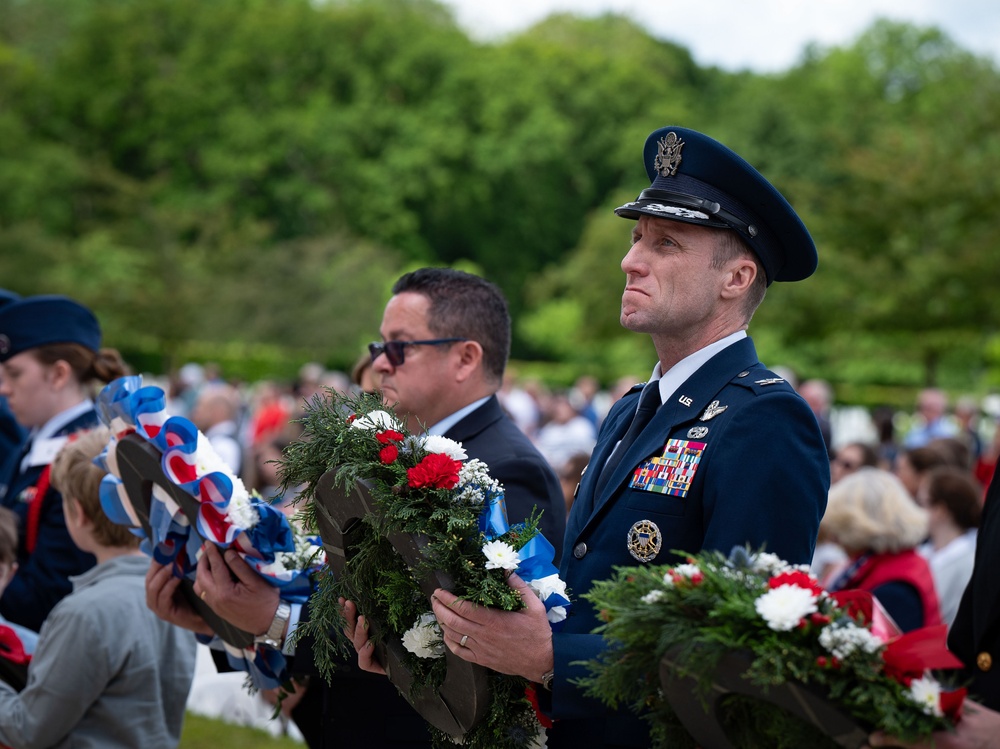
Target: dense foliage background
242	180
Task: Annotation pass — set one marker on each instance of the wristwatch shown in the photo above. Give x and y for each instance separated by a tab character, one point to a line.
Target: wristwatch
273	635
547	679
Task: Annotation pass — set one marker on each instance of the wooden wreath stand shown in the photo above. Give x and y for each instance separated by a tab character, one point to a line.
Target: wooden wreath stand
463	698
698	712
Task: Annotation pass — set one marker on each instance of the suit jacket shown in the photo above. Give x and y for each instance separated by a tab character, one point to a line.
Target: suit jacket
761	479
42	578
528	481
975	635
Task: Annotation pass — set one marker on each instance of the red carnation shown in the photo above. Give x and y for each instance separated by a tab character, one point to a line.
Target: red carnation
351	418
798	579
388	436
388	454
436	471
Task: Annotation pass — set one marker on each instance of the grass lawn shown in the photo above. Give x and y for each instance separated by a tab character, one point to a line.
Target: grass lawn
207	733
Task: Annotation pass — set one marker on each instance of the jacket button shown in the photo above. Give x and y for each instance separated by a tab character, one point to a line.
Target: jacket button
985	661
580	550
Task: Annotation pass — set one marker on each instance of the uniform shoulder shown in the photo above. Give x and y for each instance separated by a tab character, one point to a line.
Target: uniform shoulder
761	381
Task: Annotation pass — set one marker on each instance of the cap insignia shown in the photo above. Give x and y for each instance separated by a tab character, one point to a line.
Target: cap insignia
668	155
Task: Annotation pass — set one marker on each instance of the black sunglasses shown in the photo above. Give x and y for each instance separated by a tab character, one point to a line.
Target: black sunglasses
393	350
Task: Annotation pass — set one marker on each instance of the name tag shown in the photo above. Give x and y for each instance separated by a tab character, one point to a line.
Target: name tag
672	472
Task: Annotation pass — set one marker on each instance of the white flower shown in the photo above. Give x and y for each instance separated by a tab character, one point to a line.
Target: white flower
376	420
546	586
653	596
435	443
556	614
783	607
668	579
475	485
927	693
769	564
240	512
690	571
500	556
424	638
844	639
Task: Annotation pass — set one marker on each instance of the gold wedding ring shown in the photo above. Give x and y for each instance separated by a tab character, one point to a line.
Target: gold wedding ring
203	594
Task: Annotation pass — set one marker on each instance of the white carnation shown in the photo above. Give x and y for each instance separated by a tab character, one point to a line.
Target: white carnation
546	586
783	607
689	571
424	638
926	693
556	614
653	596
435	443
500	556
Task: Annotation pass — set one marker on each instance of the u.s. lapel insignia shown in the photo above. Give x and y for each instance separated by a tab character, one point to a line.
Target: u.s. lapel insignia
770	381
713	410
696	433
644	540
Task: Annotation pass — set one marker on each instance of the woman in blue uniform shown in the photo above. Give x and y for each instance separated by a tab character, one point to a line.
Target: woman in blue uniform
50	354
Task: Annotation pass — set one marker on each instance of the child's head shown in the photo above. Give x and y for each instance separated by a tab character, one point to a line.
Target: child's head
8	546
76	477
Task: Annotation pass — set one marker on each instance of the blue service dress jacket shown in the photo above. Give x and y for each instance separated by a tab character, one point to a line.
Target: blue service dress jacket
42	578
975	634
735	457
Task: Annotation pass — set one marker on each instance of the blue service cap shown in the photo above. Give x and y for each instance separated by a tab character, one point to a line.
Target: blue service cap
39	320
697	180
7	296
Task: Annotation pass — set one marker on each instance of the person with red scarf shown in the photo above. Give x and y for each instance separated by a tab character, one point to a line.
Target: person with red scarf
875	520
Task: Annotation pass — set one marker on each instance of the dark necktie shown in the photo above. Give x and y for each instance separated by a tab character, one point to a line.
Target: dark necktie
649	401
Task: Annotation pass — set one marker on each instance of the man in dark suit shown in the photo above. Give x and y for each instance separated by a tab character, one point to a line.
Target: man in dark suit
446	339
715	451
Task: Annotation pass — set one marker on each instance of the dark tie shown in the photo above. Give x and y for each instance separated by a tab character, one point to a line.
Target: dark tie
649	401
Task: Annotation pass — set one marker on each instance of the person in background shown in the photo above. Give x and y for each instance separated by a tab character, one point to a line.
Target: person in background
851	457
566	432
106	673
215	413
363	375
967	418
570	475
874	519
913	463
931	419
50	353
819	395
829	558
952	498
8	566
